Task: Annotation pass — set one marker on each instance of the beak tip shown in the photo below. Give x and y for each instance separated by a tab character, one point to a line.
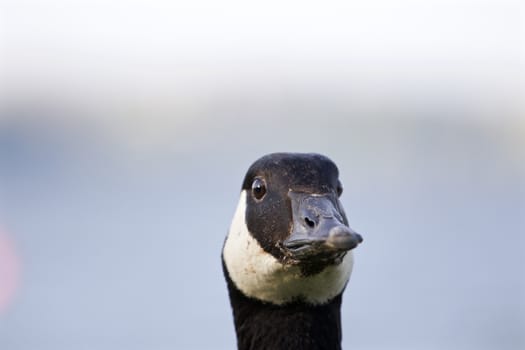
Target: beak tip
343	238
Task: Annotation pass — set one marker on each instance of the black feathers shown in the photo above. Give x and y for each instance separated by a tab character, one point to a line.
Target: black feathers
293	326
287	256
269	220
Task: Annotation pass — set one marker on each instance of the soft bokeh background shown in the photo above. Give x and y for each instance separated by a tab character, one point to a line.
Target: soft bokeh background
126	129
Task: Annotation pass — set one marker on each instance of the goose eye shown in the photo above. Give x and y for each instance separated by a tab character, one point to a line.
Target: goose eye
339	189
258	188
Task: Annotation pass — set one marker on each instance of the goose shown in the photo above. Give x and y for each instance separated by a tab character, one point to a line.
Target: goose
287	257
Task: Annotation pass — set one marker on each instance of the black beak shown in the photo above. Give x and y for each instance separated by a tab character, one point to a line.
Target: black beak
319	227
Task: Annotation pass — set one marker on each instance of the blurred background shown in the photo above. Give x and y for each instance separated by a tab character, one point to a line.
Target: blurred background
126	129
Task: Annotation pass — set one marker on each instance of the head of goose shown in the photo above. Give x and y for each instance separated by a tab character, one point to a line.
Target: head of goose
290	239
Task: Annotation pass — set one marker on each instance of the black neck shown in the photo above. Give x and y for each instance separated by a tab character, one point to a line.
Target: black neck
292	326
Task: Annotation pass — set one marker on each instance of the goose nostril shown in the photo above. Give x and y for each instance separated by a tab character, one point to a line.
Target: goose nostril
309	222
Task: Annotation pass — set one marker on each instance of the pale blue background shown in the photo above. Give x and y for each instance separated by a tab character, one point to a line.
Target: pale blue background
122	251
124	140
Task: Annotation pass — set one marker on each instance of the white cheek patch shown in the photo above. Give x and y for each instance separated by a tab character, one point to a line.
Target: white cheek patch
259	275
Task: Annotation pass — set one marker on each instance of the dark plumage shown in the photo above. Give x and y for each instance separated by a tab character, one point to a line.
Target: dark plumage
287	256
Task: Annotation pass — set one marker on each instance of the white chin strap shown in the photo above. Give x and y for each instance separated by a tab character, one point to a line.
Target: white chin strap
259	275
